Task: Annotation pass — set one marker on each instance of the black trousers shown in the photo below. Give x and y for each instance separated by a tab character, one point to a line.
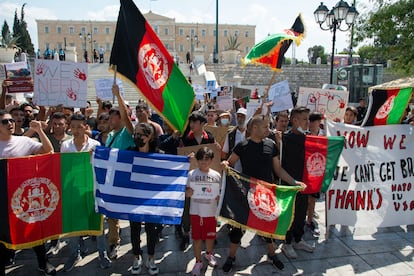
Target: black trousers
6	254
296	230
151	230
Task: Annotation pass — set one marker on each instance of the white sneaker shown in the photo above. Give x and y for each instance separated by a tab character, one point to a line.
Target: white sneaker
197	269
302	245
137	265
211	259
288	250
152	267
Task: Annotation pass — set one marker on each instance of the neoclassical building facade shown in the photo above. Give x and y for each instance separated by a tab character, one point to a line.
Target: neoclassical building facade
179	38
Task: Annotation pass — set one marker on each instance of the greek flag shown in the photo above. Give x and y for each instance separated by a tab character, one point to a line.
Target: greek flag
143	187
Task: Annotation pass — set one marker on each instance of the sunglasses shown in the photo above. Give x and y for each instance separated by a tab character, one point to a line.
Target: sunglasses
7	121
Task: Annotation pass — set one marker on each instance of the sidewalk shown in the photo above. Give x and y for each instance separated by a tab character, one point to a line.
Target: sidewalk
386	251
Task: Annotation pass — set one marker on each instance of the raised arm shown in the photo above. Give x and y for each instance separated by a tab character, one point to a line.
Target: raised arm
123	109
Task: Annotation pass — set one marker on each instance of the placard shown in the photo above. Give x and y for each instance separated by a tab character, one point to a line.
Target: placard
103	88
279	94
19	75
60	82
331	103
205	190
224	102
219	133
215	165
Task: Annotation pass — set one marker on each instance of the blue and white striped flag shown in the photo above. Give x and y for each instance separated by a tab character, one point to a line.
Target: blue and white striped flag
143	187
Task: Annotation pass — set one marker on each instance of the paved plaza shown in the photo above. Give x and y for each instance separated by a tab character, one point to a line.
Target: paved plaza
348	251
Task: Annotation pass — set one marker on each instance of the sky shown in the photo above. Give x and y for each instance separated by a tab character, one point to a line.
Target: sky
269	16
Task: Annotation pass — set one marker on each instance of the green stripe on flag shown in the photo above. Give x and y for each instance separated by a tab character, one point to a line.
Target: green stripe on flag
78	201
178	98
400	104
335	146
286	196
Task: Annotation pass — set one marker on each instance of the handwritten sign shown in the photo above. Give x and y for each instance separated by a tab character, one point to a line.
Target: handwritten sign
279	93
331	103
60	82
205	190
193	162
103	88
373	183
225	102
219	133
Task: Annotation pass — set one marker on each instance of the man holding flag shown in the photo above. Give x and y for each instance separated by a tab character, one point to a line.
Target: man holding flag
259	158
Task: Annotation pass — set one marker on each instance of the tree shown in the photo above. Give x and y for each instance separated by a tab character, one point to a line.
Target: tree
7	40
390	27
232	43
315	52
21	33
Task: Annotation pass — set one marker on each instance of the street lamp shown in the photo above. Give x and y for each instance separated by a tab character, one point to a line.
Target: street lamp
191	38
85	37
332	20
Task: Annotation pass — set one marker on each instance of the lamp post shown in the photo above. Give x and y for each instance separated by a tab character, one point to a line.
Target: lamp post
191	38
332	20
85	37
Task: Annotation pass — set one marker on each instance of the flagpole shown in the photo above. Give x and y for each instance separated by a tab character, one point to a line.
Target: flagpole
113	96
270	84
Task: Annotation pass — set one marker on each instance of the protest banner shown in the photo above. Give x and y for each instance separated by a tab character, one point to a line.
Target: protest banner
60	82
103	88
193	149
19	75
279	93
372	186
331	103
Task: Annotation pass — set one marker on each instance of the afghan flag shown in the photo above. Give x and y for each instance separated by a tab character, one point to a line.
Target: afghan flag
253	204
321	157
387	106
45	197
141	58
271	50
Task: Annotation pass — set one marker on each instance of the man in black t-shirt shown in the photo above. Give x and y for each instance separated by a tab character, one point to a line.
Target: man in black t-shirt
259	158
293	161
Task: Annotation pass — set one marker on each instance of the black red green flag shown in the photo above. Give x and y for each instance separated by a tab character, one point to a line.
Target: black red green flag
256	205
46	196
387	106
141	58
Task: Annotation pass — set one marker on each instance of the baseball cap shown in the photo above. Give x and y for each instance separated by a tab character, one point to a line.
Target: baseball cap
242	110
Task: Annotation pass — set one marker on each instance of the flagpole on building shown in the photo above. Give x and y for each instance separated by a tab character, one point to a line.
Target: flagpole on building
113	96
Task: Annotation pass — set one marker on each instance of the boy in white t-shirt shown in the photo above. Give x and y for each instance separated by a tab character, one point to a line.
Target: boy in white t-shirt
203	187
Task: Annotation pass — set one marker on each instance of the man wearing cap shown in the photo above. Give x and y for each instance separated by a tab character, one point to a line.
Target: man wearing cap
225	119
235	135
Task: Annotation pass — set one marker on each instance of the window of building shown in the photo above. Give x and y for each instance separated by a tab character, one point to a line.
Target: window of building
59	29
192	32
46	29
166	31
47	45
59	45
236	33
247	49
107	30
167	46
204	48
155	29
180	31
72	44
95	30
181	48
225	33
214	32
108	46
83	30
71	30
203	32
246	34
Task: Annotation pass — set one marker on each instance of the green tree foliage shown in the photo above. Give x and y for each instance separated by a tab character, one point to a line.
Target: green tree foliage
21	33
7	40
390	27
315	52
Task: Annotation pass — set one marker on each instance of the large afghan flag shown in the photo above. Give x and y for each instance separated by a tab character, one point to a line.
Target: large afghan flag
141	57
256	205
44	197
387	106
321	157
272	49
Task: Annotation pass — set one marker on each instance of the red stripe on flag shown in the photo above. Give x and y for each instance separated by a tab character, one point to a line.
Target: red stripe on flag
155	66
34	193
316	148
264	212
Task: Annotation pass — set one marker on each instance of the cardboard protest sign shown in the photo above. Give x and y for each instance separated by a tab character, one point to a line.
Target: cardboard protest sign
19	75
331	103
372	186
279	94
103	88
193	162
219	133
60	82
